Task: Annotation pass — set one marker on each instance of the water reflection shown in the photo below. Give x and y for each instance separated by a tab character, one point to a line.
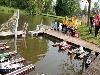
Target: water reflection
34	20
35	47
72	66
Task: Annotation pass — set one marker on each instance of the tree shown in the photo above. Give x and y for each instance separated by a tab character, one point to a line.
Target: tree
32	6
88	23
48	6
67	7
85	10
96	5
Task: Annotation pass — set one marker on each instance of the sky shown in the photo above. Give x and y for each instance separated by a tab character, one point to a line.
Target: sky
82	4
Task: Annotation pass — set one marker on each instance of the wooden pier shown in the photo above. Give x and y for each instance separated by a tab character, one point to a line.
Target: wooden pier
9	53
17	60
36	32
94	68
71	39
23	70
9	33
77	41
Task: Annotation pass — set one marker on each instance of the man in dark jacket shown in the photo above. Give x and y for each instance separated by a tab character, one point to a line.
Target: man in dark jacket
91	24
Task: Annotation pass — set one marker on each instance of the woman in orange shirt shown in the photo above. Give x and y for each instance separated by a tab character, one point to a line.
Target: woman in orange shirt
74	25
65	24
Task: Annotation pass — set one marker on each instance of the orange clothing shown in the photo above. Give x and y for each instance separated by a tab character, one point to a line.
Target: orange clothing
75	24
71	23
65	21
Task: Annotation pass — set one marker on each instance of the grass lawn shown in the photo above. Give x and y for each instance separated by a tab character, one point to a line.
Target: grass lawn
84	34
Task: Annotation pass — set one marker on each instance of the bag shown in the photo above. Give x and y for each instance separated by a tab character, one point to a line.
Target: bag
76	34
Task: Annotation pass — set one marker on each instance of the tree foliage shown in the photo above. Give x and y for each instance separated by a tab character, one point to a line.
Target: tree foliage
96	5
32	6
67	7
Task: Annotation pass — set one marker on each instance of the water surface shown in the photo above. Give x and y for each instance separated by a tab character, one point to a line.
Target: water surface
39	50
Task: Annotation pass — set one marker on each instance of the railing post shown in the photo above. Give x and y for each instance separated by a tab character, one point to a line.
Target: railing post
17	18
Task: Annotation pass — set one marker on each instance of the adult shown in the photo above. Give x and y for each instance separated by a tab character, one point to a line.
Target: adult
74	26
57	25
91	24
65	24
97	23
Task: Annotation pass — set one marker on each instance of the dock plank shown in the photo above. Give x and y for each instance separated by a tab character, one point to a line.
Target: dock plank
9	33
94	68
17	72
77	41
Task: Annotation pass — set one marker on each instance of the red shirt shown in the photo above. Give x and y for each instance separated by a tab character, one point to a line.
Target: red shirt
97	20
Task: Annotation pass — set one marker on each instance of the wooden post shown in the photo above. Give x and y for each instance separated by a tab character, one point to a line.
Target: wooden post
17	14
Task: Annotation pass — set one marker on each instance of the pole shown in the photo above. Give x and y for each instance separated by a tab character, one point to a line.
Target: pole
89	1
16	30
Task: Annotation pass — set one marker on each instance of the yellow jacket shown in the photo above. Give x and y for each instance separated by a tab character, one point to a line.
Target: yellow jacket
70	24
65	21
75	24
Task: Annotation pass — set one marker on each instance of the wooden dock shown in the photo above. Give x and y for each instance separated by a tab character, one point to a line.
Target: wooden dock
17	60
94	68
23	70
10	53
35	32
77	41
9	33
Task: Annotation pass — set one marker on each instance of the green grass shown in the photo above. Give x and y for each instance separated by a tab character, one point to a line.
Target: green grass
84	34
10	10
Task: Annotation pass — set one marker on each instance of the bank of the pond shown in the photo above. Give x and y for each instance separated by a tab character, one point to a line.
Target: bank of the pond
54	16
10	10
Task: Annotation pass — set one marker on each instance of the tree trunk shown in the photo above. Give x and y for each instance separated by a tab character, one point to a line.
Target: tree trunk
88	23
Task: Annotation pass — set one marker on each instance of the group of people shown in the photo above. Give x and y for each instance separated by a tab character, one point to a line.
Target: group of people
71	26
95	21
68	26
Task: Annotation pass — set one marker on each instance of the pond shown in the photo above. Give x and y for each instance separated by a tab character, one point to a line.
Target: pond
39	50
